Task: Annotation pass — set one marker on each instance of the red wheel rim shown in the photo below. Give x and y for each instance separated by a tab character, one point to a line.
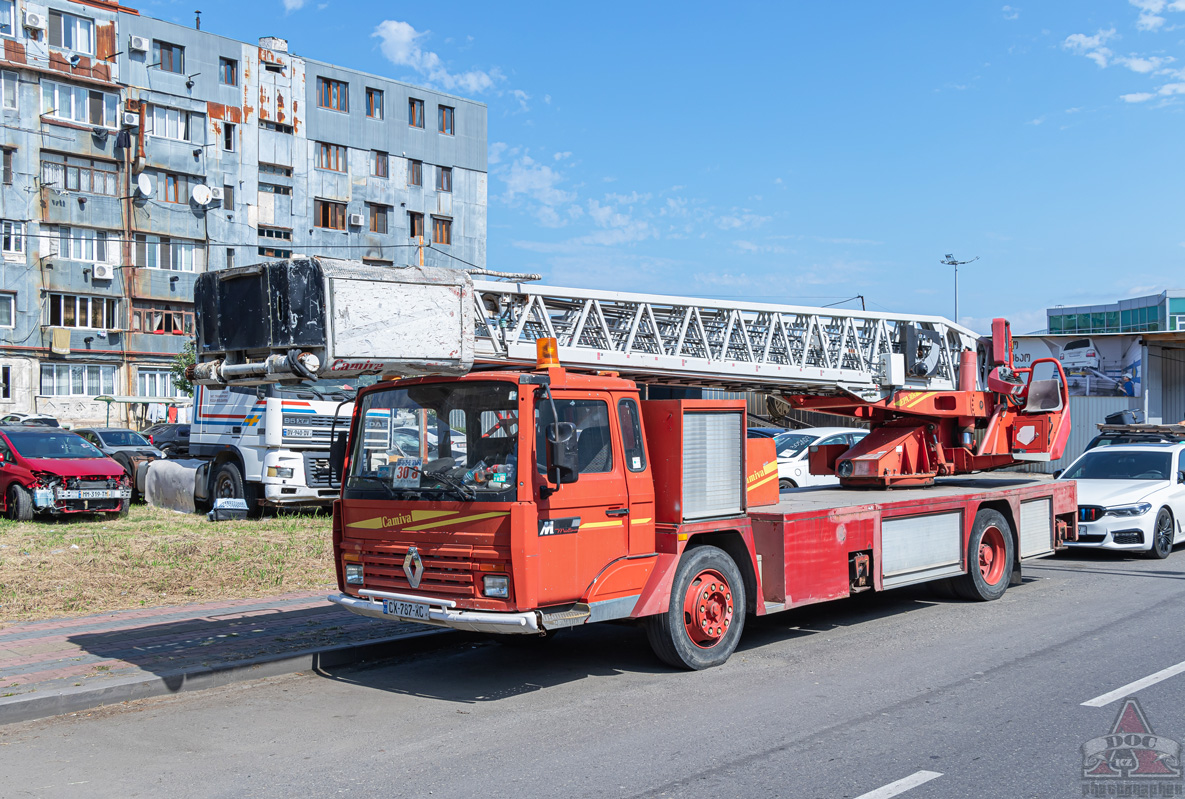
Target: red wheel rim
992	554
707	608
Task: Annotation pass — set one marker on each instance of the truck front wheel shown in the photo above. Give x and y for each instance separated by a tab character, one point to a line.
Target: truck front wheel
229	484
990	552
706	614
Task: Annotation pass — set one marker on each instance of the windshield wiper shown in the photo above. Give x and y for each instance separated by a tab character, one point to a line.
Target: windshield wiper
447	479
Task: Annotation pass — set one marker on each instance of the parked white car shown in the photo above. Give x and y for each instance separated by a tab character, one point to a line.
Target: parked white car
794	452
1079	354
1130	497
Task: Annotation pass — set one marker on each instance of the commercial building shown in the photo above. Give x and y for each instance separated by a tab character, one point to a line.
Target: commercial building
138	153
1163	311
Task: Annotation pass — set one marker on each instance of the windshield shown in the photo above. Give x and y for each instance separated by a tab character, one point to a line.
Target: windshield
1102	464
62	444
123	438
451	441
791	445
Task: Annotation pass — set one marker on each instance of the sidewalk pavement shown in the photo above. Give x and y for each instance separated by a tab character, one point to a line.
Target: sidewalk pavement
67	665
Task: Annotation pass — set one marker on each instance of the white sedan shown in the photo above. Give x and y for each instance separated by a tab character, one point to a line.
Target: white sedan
794	452
1130	498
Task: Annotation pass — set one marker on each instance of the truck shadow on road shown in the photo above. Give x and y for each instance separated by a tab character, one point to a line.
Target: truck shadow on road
487	669
1115	562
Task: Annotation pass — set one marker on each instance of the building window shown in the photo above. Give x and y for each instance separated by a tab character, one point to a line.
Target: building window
8	88
415	113
281	233
442	230
72	310
276	68
169	57
78	104
71	33
415	173
161	319
176	188
7	166
374	103
156	383
77	379
331	157
12	235
333	94
271	188
84	244
278	127
79	174
7	18
446	117
230	257
275	169
444	178
7	317
274	252
378	218
228	137
228	197
379	163
228	72
415	224
173	123
328	214
162	252
6	382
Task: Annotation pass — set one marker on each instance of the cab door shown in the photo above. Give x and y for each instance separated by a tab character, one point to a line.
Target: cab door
638	479
583	526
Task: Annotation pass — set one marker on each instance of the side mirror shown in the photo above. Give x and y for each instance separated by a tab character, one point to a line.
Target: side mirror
337	458
1058	473
1181	477
562	453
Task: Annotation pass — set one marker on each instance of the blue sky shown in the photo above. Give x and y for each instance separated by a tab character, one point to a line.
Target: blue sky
803	152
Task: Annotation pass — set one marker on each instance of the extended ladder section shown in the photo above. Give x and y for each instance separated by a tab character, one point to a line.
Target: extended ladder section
323	318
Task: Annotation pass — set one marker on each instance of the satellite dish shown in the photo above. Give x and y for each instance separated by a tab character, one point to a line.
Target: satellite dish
200	194
144	185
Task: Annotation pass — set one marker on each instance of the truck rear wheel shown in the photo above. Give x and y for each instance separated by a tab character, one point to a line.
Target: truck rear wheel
229	484
990	553
706	613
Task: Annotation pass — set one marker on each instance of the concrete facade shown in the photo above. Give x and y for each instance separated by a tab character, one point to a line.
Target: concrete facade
97	275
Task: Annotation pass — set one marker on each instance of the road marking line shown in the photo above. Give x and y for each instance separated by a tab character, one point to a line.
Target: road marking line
901	786
1138	685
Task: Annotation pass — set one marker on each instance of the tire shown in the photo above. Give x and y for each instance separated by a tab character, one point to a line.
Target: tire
19	506
1162	535
122	513
990	554
126	464
786	484
702	572
229	484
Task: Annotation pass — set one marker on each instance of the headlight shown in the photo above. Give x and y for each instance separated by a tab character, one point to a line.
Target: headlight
354	574
1129	510
496	585
279	471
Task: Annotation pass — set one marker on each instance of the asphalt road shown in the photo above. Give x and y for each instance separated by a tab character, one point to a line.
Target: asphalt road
878	696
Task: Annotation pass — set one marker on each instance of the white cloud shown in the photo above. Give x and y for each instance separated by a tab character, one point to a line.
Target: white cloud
1091	46
754	248
294	5
562	156
522	97
1011	13
1143	64
1136	97
400	44
497	150
741	220
539	185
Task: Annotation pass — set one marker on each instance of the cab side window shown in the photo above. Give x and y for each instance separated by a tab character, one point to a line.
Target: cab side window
631	435
594	444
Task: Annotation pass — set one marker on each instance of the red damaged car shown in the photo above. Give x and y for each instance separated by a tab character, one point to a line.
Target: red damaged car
52	471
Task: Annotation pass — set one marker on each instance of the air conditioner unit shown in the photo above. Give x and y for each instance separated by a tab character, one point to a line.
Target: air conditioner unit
131	118
355	220
34	20
216	193
139	44
104	272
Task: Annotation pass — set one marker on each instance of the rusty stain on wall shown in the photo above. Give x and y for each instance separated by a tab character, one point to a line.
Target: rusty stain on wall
228	113
105	40
14	51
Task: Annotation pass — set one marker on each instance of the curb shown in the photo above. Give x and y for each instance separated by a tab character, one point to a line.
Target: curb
30	707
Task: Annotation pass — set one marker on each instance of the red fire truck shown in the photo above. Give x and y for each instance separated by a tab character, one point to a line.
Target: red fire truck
520	475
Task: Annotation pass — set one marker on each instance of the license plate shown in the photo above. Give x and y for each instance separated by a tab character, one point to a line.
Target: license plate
1083	528
407	610
298	432
95	493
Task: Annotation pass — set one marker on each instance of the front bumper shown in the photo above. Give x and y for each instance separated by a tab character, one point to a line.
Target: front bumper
441	613
1120	533
294	490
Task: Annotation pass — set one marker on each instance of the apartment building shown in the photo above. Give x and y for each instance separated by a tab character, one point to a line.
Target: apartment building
138	153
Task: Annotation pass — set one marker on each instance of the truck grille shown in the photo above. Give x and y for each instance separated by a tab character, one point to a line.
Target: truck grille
316	469
448	570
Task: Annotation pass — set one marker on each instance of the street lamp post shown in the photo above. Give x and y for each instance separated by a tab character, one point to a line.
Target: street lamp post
950	261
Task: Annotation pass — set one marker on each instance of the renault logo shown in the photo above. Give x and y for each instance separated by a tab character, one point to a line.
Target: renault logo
413	567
